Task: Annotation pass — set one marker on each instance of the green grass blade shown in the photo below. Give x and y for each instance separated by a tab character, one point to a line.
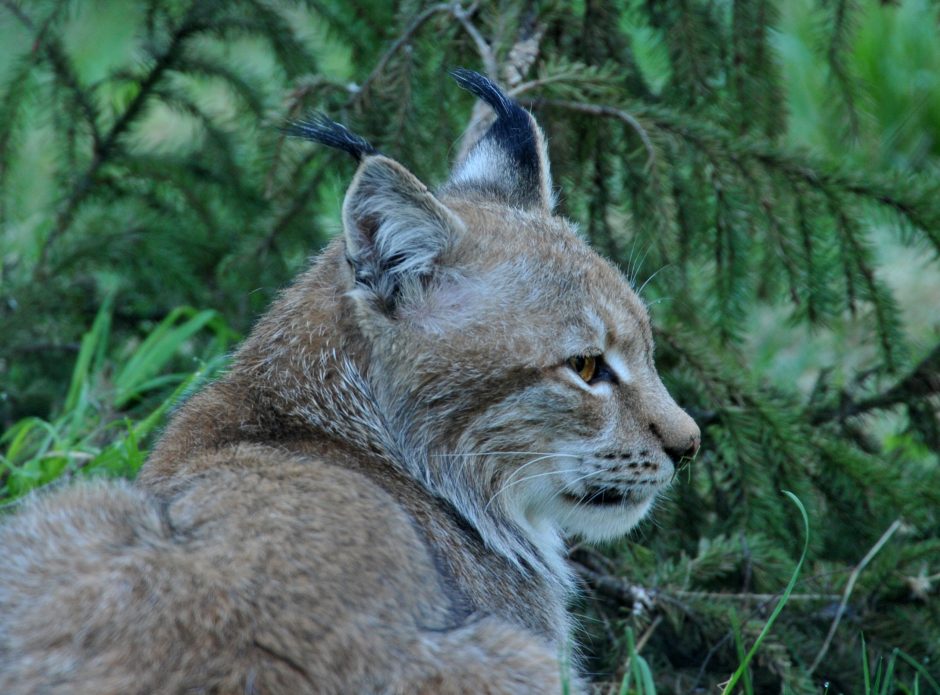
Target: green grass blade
739	648
729	688
19	437
156	350
90	353
27	457
888	683
879	674
564	663
920	670
646	676
143	427
628	673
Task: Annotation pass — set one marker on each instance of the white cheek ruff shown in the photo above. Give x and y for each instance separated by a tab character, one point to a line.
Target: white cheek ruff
598	524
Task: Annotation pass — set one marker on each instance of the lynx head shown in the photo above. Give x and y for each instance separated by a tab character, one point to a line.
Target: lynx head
512	365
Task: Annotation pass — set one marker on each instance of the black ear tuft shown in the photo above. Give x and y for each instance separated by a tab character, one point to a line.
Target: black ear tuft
325	131
514	128
487	90
510	161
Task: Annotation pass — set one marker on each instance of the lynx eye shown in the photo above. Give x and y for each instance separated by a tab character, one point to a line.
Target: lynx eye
585	366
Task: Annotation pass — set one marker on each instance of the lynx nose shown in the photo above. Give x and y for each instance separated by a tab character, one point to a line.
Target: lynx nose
679	453
679	442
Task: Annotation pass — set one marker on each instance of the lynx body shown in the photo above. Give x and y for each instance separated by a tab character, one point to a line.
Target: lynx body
375	498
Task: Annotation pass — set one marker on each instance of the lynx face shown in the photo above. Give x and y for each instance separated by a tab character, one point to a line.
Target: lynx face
513	362
536	383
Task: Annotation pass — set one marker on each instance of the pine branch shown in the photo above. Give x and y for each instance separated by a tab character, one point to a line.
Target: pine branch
16	86
632	596
459	13
600	46
841	27
917	202
856	259
921	382
106	147
182	181
817	299
9	114
60	64
289	214
291	52
753	72
407	35
66	75
576	77
693	48
604	111
522	55
215	70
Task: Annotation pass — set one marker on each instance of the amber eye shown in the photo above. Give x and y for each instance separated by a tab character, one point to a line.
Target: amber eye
586	367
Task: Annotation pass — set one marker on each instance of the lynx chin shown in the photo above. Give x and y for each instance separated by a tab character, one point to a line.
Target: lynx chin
375	498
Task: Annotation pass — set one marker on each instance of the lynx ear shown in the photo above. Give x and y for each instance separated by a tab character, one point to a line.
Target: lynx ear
395	230
510	162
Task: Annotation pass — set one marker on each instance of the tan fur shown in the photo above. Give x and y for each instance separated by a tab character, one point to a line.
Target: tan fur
373	499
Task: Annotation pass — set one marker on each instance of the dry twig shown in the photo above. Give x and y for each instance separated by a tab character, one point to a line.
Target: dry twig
456	10
850	585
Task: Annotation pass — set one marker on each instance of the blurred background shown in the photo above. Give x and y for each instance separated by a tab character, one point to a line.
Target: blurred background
767	173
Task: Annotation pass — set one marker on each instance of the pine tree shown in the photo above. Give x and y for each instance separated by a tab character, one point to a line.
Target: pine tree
142	169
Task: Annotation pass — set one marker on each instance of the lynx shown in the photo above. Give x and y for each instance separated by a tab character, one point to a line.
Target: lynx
375	498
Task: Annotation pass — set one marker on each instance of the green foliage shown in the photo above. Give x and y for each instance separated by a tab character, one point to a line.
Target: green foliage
765	172
92	436
745	659
638	670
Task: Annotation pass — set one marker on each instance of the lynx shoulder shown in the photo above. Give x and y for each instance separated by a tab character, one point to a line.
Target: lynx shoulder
376	497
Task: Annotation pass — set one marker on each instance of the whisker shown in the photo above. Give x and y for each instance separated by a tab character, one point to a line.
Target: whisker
582	501
630	274
647	281
464	459
497	453
522	480
639	266
525	465
576	480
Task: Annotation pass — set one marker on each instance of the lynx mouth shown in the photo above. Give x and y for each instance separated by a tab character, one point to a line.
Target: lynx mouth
609	497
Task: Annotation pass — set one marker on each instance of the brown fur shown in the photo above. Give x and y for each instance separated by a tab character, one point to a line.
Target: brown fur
372	499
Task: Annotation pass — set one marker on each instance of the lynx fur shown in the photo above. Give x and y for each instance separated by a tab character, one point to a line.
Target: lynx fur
375	498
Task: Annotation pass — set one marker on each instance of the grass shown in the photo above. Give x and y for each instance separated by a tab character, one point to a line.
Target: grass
638	676
113	405
638	669
884	682
742	668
